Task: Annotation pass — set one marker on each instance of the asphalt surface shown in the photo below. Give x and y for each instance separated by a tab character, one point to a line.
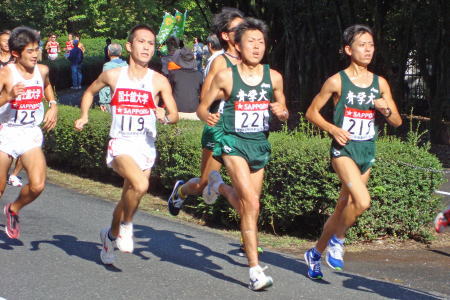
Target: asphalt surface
57	257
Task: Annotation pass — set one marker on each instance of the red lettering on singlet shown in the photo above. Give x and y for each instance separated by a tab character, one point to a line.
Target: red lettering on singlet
359	114
251	106
133	99
30	99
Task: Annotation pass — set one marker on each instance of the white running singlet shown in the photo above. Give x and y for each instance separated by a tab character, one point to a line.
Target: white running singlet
133	107
27	110
53	47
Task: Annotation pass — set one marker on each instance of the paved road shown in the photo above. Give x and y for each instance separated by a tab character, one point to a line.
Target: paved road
57	257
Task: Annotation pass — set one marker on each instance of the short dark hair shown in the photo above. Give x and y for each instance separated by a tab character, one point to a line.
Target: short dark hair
351	32
20	37
250	24
213	40
108	40
136	28
222	20
5	31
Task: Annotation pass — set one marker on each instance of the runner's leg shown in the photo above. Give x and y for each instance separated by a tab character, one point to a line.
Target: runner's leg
135	186
34	164
5	163
354	199
248	187
18	167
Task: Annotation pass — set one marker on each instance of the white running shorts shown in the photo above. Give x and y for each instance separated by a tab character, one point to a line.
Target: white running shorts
16	140
143	152
53	56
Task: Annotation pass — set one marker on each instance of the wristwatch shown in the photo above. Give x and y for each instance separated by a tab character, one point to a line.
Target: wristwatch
389	112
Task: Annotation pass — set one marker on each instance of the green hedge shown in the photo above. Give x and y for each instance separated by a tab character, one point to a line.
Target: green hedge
61	75
299	191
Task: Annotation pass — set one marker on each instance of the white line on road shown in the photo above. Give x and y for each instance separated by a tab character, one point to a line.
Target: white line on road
442	192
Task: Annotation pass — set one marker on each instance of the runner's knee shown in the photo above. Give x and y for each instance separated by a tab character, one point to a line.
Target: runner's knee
362	206
141	186
251	204
37	187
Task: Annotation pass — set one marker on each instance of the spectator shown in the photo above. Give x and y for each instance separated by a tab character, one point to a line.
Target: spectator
52	47
105	50
173	47
215	48
186	84
198	51
41	46
114	53
5	54
76	58
77	37
69	45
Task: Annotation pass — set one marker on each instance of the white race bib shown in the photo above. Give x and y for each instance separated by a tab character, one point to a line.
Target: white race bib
133	113
251	116
359	123
27	109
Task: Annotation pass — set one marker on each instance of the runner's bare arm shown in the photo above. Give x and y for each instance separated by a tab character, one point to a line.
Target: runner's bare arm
51	116
164	89
8	93
278	107
330	87
217	65
105	78
220	81
386	104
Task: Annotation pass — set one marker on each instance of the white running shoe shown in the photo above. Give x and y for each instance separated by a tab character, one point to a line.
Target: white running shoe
125	238
210	193
259	280
107	252
14	180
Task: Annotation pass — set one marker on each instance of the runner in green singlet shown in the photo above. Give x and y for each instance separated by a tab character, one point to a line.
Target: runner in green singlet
253	93
224	24
358	97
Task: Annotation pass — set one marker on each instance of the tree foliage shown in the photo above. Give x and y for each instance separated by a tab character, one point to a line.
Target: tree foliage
306	41
305	36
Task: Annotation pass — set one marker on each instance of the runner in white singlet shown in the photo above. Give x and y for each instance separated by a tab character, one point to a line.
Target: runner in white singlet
23	86
131	150
52	47
133	120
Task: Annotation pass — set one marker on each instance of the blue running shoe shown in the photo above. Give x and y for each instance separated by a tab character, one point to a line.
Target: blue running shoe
313	261
175	201
335	254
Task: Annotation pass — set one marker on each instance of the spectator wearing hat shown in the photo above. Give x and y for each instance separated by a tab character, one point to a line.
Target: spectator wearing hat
167	61
186	84
114	53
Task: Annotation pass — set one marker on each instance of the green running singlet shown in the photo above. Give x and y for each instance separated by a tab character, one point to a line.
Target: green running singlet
212	134
246	117
355	112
